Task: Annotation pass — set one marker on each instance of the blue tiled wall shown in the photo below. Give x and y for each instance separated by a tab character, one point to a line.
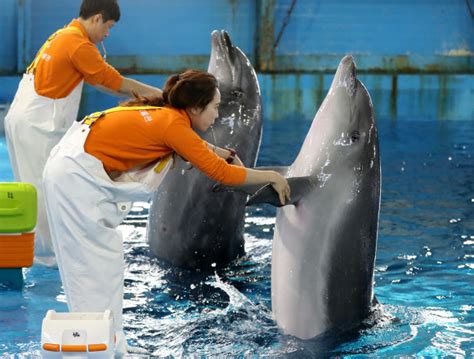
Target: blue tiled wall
8	31
379	27
415	57
158	36
433	36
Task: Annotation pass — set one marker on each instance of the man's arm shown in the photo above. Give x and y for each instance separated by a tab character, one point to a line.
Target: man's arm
129	86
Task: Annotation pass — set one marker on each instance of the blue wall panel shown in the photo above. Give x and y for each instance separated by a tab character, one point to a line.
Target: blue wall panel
46	17
8	87
163	36
444	97
397	44
181	27
156	36
420	96
8	31
389	27
388	35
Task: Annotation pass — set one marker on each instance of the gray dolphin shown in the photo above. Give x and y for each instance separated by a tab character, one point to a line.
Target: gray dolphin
188	225
324	243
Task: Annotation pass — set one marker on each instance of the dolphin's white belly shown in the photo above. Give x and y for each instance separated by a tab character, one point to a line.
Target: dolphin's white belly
324	248
301	246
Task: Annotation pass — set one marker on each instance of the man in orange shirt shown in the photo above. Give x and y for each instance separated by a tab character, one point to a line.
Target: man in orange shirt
48	97
119	156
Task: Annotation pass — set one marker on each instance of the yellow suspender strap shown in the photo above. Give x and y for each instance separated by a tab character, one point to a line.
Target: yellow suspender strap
163	162
32	68
90	119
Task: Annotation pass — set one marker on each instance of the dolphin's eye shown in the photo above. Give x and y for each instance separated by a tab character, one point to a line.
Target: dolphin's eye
355	136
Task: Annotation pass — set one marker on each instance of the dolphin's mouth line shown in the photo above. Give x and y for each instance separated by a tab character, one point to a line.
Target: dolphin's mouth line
227	47
224	46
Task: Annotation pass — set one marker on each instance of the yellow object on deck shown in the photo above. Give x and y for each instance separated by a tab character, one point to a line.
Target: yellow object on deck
18	216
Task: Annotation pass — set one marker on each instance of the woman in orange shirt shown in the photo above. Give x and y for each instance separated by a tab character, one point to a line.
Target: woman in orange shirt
121	155
47	100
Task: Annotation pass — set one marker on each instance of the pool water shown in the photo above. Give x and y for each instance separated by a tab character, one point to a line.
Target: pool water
424	277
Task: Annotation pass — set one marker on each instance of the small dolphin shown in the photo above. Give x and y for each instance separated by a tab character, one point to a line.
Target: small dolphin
325	241
188	225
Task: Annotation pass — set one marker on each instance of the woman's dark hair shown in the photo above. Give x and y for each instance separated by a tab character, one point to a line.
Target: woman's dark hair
109	9
192	88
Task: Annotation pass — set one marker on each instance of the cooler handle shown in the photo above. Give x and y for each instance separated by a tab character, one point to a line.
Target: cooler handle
10	211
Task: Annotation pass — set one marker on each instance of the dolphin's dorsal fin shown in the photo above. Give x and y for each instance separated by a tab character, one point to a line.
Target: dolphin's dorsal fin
299	186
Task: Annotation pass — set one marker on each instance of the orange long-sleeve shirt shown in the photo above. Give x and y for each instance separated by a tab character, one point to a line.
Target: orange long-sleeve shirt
70	58
126	139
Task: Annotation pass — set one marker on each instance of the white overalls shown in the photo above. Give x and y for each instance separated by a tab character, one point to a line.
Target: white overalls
33	126
84	208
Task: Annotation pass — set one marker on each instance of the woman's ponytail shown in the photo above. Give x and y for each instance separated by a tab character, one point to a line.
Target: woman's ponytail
138	100
170	85
191	88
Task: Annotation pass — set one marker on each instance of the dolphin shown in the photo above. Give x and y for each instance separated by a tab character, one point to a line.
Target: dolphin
325	238
188	225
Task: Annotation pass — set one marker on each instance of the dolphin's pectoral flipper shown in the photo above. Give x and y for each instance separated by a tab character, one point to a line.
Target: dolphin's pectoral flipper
299	187
250	189
283	170
245	188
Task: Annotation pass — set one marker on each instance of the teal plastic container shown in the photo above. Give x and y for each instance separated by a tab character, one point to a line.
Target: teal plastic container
18	207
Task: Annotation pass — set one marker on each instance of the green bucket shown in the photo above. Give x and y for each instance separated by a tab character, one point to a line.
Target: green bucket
18	207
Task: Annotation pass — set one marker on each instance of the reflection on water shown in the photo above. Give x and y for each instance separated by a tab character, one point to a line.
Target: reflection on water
424	268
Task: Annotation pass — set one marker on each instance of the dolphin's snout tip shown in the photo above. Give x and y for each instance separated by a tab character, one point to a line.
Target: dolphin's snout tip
348	64
348	59
215	37
220	38
219	33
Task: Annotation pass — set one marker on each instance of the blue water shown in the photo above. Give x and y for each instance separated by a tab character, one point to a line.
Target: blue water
424	277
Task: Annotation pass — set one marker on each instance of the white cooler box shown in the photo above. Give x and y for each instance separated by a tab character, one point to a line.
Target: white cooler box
77	335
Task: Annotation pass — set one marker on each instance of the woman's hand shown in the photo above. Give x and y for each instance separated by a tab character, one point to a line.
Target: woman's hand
264	177
237	162
281	186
